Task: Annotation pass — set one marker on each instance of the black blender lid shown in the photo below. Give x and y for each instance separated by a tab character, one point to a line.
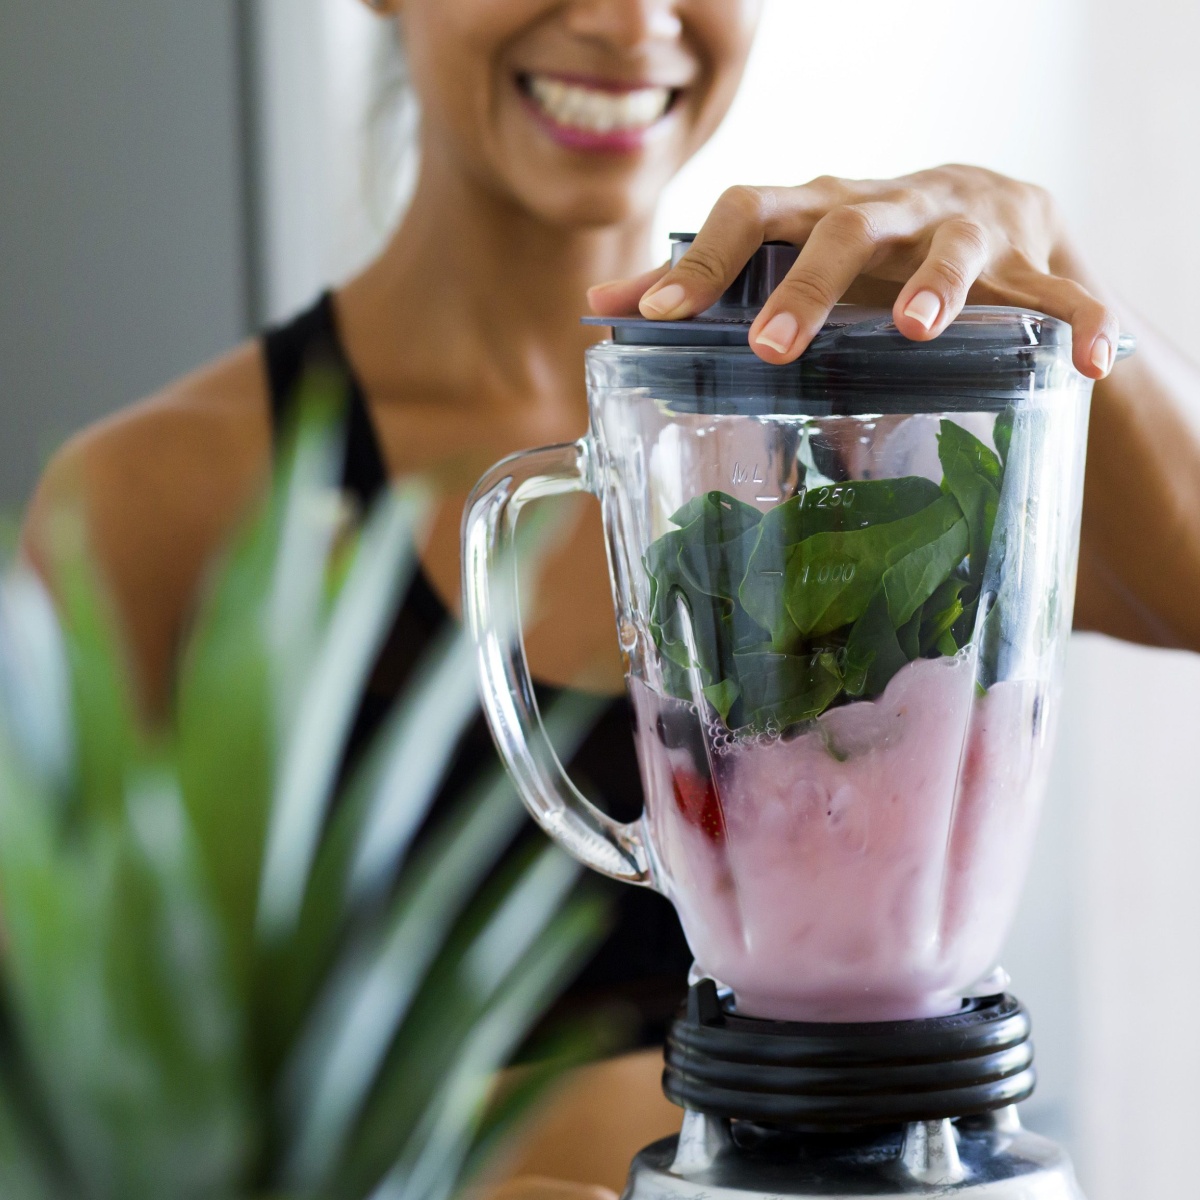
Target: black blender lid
981	337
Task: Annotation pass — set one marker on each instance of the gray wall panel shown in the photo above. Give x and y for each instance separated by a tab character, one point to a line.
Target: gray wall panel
122	240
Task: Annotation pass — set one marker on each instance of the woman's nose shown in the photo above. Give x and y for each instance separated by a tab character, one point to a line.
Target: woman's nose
625	23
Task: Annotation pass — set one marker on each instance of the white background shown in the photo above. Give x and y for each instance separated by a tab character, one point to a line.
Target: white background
1098	101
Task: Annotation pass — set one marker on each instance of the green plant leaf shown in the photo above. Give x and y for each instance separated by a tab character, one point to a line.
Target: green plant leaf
862	503
420	738
35	685
529	1083
120	1000
316	741
330	908
24	1174
156	1038
492	943
370	992
108	740
224	699
306	514
439	1148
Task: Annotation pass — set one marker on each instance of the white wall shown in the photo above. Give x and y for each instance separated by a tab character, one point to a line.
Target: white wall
1139	711
1098	101
314	95
872	88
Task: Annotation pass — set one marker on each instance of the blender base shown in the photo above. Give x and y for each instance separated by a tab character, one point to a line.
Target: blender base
981	1158
776	1109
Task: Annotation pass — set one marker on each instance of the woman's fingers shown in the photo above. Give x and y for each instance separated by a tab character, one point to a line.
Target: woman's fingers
727	239
936	293
620	297
1095	328
843	244
849	230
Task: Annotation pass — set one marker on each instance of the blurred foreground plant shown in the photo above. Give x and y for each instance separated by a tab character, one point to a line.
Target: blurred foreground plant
226	971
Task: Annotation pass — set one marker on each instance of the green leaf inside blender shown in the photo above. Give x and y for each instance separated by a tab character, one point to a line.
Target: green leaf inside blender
825	597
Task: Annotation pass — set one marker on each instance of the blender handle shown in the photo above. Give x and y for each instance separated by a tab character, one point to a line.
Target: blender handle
492	614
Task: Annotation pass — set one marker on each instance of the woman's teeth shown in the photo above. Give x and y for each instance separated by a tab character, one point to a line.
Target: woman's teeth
598	111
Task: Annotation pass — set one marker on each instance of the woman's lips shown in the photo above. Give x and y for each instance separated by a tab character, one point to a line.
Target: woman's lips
595	114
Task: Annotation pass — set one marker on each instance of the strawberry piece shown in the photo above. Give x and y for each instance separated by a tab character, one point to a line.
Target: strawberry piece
697	801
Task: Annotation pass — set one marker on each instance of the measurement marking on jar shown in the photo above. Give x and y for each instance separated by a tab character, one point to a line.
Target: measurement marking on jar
767	499
841	496
742	475
838	572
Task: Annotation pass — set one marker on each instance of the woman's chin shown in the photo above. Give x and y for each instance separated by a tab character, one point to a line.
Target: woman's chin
590	203
582	186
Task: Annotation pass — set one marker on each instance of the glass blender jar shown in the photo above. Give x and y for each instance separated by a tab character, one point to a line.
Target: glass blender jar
842	589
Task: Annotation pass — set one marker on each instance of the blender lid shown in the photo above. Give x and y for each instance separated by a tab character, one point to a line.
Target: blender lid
981	336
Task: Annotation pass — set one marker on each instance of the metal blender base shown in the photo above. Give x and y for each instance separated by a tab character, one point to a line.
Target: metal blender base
988	1158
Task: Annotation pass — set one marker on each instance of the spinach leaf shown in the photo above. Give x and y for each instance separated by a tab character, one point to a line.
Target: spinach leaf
761	590
827	509
911	581
783	689
716	517
716	568
873	651
709	621
723	696
828	594
701	564
909	637
939	615
1002	433
972	475
863	503
831	577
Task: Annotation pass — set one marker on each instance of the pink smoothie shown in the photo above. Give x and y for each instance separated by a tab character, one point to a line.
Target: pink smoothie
865	869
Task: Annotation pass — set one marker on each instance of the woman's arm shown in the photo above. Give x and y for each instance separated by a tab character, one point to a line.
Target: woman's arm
1139	557
930	243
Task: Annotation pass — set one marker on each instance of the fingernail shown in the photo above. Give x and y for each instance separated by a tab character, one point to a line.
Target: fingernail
779	333
1102	355
924	308
666	302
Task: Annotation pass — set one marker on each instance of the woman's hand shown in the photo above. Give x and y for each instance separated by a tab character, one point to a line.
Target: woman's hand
926	243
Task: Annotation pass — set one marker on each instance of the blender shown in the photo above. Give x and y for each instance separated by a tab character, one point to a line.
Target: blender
842	591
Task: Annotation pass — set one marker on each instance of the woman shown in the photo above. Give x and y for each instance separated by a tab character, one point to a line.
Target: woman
549	128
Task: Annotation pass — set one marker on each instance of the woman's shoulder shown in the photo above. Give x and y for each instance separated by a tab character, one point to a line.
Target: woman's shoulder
201	439
159	485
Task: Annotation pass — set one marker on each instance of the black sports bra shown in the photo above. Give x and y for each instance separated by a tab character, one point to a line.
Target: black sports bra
643	964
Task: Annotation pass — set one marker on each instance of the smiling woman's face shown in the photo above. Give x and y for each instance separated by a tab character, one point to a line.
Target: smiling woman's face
579	111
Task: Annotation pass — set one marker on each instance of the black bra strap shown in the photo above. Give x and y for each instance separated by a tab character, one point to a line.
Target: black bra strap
291	349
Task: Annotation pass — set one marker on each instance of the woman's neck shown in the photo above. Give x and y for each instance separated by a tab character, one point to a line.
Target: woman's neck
483	298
